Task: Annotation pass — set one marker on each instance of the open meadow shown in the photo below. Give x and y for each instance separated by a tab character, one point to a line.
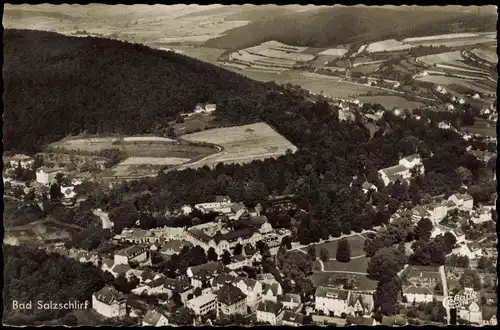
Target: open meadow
356	243
387	45
240	144
325	278
453	40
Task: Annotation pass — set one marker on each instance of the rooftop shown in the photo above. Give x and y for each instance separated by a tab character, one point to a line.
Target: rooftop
152	317
109	295
270	307
333	293
203	299
394	170
209	267
417	290
291	297
290	316
131	251
229	295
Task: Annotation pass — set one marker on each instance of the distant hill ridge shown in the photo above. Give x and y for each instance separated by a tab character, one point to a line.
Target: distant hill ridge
341	25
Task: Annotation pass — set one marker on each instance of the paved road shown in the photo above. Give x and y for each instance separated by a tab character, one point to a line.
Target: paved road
445	291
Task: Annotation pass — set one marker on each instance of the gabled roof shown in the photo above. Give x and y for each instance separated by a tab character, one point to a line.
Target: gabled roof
393	170
179	284
333	293
229	295
152	317
224	278
412	157
421	211
213	267
273	287
174	245
366	300
270	307
108	262
265	276
131	251
290	316
109	295
121	269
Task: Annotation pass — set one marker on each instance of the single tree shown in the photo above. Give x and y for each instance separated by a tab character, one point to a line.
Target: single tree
343	251
212	255
324	254
311	251
226	257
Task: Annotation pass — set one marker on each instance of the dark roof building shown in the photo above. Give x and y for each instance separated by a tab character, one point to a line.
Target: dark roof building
292	317
230	295
270	307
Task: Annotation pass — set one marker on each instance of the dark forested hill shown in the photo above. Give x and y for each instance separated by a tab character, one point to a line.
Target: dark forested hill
55	85
341	25
33	275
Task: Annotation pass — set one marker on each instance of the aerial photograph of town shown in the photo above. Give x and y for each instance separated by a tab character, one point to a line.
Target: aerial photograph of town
249	165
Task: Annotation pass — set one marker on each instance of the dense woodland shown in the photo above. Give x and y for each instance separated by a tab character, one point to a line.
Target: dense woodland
35	275
344	25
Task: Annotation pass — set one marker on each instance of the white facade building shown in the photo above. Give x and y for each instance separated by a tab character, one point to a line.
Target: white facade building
109	302
203	304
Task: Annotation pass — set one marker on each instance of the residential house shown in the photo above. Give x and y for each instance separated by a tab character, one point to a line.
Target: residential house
221	204
366	186
24	161
152	287
270	312
179	285
239	262
109	302
411	161
360	320
394	173
231	301
463	202
331	301
291	301
437	211
203	304
186	209
134	253
481	215
271	291
427	276
172	247
266	278
471	312
204	274
221	280
489	315
292	319
418	294
360	303
251	288
47	176
155	319
419	212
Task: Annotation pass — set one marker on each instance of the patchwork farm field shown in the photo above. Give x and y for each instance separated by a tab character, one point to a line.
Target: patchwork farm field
240	144
488	55
446	80
391	101
482	127
453	40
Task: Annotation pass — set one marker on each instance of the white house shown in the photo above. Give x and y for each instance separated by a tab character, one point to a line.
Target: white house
203	304
251	288
418	294
331	300
270	312
21	160
271	291
154	319
393	173
47	175
361	303
291	301
109	302
481	215
471	313
135	253
410	161
186	209
239	262
464	202
450	107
